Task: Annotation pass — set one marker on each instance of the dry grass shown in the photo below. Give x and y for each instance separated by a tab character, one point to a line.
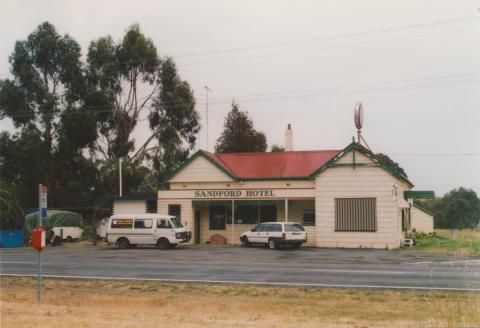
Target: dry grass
89	303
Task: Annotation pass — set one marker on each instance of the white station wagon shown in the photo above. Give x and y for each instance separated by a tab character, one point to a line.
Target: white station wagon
275	234
129	230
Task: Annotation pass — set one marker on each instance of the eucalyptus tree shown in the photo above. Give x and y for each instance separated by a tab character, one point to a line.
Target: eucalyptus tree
45	96
129	82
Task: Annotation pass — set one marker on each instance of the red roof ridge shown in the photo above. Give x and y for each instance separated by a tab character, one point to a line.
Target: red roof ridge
275	152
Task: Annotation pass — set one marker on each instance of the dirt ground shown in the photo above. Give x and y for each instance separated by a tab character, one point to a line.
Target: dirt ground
99	303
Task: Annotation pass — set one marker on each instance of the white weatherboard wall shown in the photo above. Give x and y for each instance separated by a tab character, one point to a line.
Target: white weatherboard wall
200	170
129	207
421	220
186	211
363	181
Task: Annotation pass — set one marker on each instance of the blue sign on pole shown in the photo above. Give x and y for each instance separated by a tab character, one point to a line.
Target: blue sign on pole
44	213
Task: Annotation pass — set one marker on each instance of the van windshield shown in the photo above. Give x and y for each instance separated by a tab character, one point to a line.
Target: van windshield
176	222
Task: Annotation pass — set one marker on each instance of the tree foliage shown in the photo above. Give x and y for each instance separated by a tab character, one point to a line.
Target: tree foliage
459	208
11	213
44	96
239	134
74	120
128	82
277	148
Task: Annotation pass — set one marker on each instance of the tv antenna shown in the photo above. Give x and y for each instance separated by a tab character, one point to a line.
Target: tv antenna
207	90
358	118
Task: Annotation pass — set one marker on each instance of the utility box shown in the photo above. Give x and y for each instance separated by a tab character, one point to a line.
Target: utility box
38	238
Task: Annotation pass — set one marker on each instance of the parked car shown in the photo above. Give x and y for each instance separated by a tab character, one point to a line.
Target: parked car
57	235
130	230
275	234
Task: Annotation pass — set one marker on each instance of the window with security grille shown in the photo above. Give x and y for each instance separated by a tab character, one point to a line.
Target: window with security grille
355	214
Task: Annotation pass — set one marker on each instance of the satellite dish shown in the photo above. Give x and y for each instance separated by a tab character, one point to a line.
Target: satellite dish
358	115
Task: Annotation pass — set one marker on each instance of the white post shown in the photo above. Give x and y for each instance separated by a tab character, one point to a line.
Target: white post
120	176
233	219
286	209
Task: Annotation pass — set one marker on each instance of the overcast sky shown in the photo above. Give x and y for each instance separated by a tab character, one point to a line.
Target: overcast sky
415	65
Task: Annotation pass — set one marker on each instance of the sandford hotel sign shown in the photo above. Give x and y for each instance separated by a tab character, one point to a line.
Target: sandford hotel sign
233	193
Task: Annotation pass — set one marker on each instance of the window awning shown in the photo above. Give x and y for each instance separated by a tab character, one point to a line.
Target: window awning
402	203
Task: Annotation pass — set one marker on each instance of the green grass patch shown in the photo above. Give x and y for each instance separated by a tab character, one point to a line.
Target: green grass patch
466	242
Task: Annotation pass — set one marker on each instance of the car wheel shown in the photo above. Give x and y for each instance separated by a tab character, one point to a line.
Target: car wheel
69	239
245	241
272	243
163	243
123	243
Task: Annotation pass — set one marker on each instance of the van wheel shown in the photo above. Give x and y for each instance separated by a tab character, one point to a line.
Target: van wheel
163	243
272	243
122	243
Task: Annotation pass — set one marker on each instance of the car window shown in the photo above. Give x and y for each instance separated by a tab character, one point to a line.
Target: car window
276	228
294	227
143	223
258	228
164	224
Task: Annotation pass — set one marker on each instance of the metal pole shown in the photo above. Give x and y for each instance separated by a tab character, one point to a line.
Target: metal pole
39	278
286	209
233	219
39	282
120	176
207	89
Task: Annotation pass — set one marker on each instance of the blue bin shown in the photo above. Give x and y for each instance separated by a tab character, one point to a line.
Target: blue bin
11	238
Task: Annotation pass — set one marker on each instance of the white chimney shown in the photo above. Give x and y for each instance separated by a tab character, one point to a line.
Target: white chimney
289	138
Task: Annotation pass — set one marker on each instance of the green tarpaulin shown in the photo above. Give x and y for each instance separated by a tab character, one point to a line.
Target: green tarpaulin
55	218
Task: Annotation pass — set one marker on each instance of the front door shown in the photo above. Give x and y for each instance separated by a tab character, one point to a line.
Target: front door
197	227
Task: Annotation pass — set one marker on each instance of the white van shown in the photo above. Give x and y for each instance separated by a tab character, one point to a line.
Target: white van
130	230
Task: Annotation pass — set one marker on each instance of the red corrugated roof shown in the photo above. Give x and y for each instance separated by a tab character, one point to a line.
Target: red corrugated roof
278	164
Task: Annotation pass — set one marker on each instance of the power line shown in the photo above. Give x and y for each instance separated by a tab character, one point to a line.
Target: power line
436	155
348	45
307	93
332	37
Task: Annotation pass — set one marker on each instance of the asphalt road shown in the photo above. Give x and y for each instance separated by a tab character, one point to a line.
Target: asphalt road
304	267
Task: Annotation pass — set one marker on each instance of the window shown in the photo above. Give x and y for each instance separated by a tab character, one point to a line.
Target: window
246	214
355	214
217	218
293	228
175	210
164	224
268	213
258	228
276	227
143	224
308	217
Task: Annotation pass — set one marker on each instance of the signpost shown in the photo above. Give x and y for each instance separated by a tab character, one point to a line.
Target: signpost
38	235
